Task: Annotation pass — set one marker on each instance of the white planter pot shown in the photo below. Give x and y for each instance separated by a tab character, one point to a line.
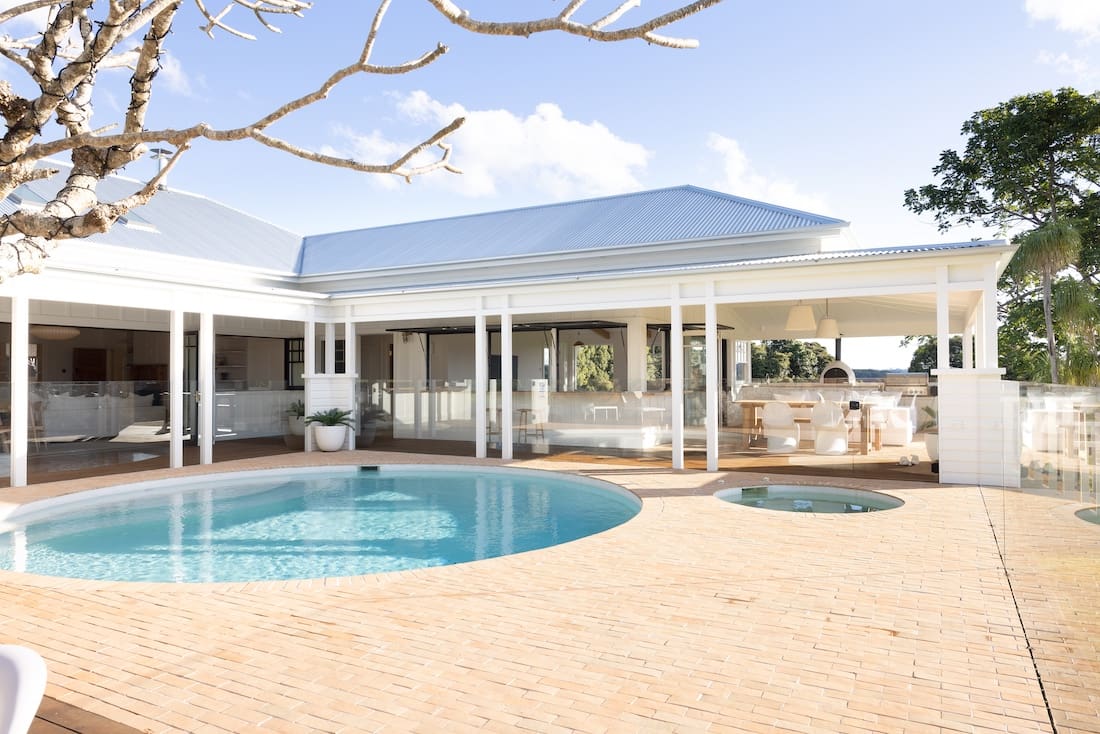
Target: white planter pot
329	438
296	425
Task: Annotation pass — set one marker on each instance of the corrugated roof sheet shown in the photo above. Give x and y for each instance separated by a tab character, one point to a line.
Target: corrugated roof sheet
189	225
682	213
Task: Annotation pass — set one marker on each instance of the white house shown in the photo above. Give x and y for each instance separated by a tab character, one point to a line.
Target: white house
188	298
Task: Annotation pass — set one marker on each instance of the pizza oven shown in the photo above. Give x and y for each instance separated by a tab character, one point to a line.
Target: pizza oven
838	373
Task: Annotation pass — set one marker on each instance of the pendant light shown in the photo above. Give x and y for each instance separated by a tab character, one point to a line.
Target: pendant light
801	318
828	328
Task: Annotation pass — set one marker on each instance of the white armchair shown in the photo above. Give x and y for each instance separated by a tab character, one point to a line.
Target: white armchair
830	430
779	428
893	420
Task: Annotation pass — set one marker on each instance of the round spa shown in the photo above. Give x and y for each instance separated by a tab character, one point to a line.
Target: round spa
306	523
1090	514
809	498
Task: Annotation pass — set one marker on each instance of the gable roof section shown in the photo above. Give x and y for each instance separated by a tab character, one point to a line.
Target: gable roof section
679	214
187	225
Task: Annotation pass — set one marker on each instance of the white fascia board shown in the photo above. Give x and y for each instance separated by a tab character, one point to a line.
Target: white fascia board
855	259
74	287
111	263
95	257
870	277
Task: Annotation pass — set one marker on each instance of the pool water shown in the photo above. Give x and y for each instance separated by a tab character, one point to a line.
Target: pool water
320	522
1090	514
815	499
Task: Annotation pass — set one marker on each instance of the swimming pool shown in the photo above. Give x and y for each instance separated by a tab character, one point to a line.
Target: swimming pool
810	498
306	523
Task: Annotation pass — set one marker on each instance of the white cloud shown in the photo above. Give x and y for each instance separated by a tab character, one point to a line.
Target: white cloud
544	152
173	75
1082	71
740	178
33	21
1074	16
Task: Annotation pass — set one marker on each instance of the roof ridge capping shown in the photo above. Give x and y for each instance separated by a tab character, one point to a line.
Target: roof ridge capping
821	218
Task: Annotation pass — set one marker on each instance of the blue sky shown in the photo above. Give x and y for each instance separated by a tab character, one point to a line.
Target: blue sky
835	107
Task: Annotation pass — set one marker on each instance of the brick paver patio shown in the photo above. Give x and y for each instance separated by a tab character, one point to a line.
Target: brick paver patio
697	615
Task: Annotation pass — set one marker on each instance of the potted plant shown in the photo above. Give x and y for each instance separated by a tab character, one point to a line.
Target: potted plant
930	427
296	418
330	428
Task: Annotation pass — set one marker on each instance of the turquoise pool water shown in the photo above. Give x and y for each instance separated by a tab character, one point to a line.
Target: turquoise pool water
809	498
313	523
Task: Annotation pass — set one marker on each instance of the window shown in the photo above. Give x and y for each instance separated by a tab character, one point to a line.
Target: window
295	363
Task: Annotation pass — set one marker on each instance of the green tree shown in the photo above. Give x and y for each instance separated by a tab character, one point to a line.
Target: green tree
1031	165
595	367
787	359
926	355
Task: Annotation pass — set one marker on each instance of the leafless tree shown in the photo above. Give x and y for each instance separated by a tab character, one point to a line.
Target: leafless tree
81	38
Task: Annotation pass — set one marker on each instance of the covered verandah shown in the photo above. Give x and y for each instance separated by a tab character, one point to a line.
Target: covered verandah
446	374
422	365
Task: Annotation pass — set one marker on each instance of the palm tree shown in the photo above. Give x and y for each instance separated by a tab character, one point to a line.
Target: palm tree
1047	250
1078	315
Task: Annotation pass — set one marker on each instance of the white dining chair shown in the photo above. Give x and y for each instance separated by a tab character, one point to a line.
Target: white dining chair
830	430
779	427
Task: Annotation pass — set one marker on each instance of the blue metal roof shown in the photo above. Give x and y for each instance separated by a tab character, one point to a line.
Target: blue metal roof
679	214
188	225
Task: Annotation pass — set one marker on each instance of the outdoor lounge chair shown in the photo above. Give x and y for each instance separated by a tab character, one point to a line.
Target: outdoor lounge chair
22	684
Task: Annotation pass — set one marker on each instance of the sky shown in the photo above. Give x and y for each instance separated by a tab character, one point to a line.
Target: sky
835	108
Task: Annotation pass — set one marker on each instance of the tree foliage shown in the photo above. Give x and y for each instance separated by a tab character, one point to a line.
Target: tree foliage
595	367
926	356
1031	168
788	360
79	39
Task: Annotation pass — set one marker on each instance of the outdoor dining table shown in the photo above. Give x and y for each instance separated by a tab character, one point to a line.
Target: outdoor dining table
750	407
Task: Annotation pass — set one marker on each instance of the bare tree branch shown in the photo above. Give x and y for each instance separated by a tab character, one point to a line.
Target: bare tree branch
564	24
63	60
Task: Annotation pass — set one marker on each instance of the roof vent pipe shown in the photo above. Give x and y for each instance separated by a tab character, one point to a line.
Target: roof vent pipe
161	155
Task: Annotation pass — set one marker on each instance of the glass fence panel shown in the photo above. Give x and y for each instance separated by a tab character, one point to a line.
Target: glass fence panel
593	422
436	410
253	422
87	426
1060	440
834	428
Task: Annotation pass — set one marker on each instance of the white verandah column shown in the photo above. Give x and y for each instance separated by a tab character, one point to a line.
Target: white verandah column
175	388
351	370
20	388
943	334
714	379
676	375
481	385
208	398
309	368
506	379
989	353
637	351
